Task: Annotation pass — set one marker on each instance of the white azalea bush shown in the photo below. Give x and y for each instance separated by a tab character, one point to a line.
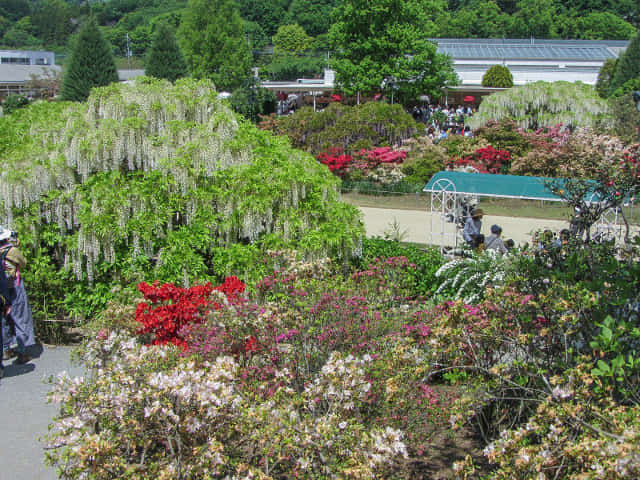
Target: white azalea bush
144	412
467	278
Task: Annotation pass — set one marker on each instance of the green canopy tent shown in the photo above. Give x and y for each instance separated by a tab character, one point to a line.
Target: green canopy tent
451	191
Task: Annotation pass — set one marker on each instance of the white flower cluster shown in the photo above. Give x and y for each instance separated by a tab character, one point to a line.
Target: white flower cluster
469	277
122	400
341	385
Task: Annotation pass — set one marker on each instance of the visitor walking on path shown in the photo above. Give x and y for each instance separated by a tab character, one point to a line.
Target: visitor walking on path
18	325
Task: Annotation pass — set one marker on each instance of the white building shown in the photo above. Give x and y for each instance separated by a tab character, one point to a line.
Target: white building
528	60
18	69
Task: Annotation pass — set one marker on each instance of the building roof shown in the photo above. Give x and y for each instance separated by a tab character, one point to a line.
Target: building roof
520	49
125	75
19	74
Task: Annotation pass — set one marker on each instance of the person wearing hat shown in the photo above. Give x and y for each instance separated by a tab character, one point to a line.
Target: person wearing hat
20	316
494	242
471	230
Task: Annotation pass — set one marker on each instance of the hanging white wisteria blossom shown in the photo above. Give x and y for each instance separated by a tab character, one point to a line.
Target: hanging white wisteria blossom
162	171
545	104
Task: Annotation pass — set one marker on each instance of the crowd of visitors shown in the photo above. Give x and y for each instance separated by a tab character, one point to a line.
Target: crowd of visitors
442	121
16	334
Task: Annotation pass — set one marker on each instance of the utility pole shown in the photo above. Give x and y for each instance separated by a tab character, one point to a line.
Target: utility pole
128	52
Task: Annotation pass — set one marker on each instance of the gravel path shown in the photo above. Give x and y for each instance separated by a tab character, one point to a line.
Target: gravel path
24	414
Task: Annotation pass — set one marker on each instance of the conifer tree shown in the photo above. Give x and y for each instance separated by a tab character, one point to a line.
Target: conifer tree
165	59
628	66
211	35
92	65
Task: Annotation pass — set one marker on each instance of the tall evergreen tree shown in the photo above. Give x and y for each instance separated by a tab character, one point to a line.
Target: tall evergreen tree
628	66
211	35
165	59
92	65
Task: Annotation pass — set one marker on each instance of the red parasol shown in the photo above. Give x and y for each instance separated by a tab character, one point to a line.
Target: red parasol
469	99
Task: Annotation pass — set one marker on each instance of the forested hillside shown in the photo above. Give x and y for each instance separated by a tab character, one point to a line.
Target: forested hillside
50	24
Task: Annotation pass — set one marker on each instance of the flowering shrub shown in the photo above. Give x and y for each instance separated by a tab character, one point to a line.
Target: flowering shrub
336	160
141	415
484	160
574	434
467	278
330	372
174	307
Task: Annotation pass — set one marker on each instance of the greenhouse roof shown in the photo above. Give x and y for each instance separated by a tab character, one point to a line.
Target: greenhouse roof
511	49
491	185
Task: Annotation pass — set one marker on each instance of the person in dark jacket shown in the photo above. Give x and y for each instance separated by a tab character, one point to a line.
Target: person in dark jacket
20	317
5	308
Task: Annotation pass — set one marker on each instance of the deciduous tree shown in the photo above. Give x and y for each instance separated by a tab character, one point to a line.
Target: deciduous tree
384	44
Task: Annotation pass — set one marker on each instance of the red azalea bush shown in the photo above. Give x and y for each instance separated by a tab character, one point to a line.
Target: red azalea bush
336	160
485	160
172	307
362	163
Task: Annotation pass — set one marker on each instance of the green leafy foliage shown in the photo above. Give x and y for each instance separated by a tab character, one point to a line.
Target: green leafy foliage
371	42
253	101
285	66
155	181
165	59
498	76
13	102
211	35
350	128
291	39
424	159
91	65
426	260
627	66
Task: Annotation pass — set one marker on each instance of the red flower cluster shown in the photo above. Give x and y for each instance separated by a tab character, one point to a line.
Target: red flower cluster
383	155
485	160
171	307
335	159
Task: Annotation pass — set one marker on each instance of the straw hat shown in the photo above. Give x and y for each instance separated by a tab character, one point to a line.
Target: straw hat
477	212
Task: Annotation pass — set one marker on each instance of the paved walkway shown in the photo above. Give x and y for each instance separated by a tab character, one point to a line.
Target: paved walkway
24	414
424	227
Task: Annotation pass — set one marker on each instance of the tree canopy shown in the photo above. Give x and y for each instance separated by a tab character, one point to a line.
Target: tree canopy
151	180
212	38
498	76
91	65
165	59
384	45
627	66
